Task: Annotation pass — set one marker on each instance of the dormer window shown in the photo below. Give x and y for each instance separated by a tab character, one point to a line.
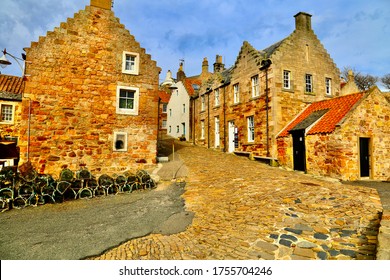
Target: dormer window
130	64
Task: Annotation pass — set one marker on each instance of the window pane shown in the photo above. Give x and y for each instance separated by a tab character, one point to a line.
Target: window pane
126	99
6	113
130	62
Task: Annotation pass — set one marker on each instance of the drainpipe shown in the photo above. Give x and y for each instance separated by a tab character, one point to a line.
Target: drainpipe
265	64
208	120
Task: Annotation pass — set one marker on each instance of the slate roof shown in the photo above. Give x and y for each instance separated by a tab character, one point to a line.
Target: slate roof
11	87
325	115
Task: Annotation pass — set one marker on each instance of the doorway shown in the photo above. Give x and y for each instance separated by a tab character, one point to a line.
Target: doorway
299	150
217	139
364	147
232	131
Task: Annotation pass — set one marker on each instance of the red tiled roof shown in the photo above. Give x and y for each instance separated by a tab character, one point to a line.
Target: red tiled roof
164	96
337	109
188	84
11	84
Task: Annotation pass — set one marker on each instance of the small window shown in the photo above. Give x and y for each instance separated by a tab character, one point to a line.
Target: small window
170	129
328	86
251	129
177	129
165	106
184	108
286	79
170	112
120	142
309	83
203	103
130	63
6	113
216	98
127	100
164	124
255	86
202	129
236	93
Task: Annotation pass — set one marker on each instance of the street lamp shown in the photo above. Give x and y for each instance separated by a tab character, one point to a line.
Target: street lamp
4	62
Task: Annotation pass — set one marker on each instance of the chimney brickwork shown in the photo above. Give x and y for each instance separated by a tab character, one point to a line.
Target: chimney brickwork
104	4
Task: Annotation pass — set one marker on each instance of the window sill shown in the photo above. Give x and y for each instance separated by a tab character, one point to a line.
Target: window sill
288	90
310	93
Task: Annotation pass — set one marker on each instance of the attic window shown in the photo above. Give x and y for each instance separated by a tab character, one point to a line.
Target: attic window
130	63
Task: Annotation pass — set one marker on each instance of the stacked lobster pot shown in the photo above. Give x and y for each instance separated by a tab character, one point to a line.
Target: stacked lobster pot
25	187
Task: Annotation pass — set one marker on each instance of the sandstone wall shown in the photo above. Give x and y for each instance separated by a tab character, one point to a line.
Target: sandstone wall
74	72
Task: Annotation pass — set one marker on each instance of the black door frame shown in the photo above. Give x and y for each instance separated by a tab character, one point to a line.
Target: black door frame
364	156
299	149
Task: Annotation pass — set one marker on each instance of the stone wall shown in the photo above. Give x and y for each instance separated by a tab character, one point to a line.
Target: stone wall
74	73
12	129
337	154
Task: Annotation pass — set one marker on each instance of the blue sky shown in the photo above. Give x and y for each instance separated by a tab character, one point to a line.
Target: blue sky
356	33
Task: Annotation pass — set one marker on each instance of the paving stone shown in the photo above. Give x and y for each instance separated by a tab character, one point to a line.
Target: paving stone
293	230
266	246
349	253
308	253
285	242
322	255
289	237
306	244
303	227
320	236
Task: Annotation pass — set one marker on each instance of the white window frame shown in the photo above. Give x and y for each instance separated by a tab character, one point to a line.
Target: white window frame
202	129
165	107
203	103
255	86
124	111
184	108
2	105
309	83
328	86
236	93
286	79
134	71
216	98
251	129
164	124
120	136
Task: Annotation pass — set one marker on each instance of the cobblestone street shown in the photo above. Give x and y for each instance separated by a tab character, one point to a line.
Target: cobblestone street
248	210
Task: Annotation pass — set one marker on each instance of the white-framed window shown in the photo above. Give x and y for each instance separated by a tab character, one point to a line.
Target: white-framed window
170	112
203	103
120	142
130	63
170	129
255	86
184	108
202	129
6	113
127	100
328	86
236	93
177	129
164	124
216	98
309	82
286	79
251	129
165	107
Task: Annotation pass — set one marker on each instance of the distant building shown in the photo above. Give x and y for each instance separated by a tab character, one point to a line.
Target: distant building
11	93
94	97
234	112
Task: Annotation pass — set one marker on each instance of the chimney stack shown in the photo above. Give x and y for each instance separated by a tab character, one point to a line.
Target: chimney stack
180	76
104	4
303	21
205	66
218	65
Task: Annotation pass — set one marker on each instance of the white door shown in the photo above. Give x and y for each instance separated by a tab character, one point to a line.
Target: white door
231	137
216	132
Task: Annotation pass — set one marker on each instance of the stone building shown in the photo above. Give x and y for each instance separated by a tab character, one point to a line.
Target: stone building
164	98
11	92
94	97
347	137
244	119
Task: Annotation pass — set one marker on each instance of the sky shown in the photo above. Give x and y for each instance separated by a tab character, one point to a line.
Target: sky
356	33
